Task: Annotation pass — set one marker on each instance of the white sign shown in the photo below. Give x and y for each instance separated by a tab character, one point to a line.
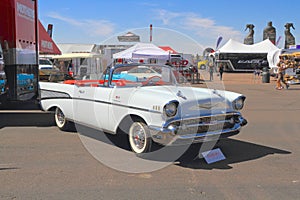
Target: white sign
213	156
47	45
25	12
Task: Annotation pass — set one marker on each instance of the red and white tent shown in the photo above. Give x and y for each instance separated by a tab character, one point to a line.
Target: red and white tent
142	51
168	49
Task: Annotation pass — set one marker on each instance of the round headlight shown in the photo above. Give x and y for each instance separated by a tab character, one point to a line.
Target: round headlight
170	109
238	104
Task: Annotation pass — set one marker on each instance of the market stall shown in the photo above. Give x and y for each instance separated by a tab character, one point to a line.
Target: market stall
237	56
147	52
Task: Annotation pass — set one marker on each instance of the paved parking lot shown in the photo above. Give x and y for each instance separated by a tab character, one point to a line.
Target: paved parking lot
37	161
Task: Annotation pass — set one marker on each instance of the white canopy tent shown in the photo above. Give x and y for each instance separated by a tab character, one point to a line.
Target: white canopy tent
273	58
233	46
142	51
242	57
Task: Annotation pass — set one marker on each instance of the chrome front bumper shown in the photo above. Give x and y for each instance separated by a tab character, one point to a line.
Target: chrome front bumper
194	133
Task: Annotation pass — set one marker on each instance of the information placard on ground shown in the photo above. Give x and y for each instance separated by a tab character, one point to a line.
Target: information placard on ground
213	156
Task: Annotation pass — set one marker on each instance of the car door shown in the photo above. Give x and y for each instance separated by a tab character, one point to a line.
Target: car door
84	104
92	104
102	107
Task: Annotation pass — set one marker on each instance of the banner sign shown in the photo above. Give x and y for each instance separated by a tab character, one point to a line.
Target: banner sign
219	41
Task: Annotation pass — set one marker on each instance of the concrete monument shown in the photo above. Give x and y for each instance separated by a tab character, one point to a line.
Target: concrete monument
270	33
289	38
249	38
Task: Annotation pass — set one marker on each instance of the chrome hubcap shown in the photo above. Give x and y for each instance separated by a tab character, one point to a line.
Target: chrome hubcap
138	137
60	116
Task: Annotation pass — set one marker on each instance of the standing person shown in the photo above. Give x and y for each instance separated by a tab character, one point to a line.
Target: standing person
211	71
62	67
168	63
256	71
221	70
280	79
70	69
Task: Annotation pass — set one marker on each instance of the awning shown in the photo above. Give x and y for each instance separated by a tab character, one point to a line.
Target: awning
168	49
46	44
76	55
142	50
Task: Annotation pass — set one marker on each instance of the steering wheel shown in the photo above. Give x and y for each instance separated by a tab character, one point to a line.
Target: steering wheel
152	80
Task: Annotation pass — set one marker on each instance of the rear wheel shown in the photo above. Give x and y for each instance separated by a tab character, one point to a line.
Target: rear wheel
61	122
139	138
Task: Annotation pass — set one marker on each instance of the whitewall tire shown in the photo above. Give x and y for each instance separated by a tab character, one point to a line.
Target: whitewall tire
139	138
60	120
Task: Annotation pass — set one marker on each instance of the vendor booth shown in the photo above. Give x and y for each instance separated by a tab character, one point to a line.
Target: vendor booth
81	64
146	52
237	56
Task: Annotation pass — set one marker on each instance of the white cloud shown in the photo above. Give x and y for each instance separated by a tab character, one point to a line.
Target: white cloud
205	29
166	16
208	28
91	27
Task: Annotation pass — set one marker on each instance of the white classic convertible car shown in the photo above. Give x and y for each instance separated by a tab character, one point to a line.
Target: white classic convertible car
148	103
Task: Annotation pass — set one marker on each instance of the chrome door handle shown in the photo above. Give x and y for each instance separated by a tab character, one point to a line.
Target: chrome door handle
81	91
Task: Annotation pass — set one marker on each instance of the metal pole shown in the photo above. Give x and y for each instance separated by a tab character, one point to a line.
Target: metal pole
150	33
36	45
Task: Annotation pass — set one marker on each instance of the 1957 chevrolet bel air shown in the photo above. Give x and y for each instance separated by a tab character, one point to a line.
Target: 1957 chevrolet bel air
148	103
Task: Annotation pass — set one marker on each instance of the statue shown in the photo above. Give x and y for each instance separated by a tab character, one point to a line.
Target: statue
249	38
270	33
289	38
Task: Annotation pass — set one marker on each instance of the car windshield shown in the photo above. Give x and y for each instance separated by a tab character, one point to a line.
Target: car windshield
143	75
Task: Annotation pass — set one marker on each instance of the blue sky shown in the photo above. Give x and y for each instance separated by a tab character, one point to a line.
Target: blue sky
187	26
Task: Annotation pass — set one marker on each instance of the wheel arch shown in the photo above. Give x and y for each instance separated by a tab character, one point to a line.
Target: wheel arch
125	123
52	108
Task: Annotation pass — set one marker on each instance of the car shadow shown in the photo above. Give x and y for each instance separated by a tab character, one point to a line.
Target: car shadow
235	151
8	168
26	118
120	141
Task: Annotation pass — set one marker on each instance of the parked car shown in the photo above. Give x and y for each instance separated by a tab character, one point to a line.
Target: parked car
49	72
202	64
149	109
45	63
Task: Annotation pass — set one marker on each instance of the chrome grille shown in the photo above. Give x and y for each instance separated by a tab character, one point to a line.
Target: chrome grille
206	124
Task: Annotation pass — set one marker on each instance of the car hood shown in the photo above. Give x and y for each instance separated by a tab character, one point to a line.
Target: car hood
191	100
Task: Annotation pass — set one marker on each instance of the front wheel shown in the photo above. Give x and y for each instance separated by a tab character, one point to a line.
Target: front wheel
61	122
139	138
